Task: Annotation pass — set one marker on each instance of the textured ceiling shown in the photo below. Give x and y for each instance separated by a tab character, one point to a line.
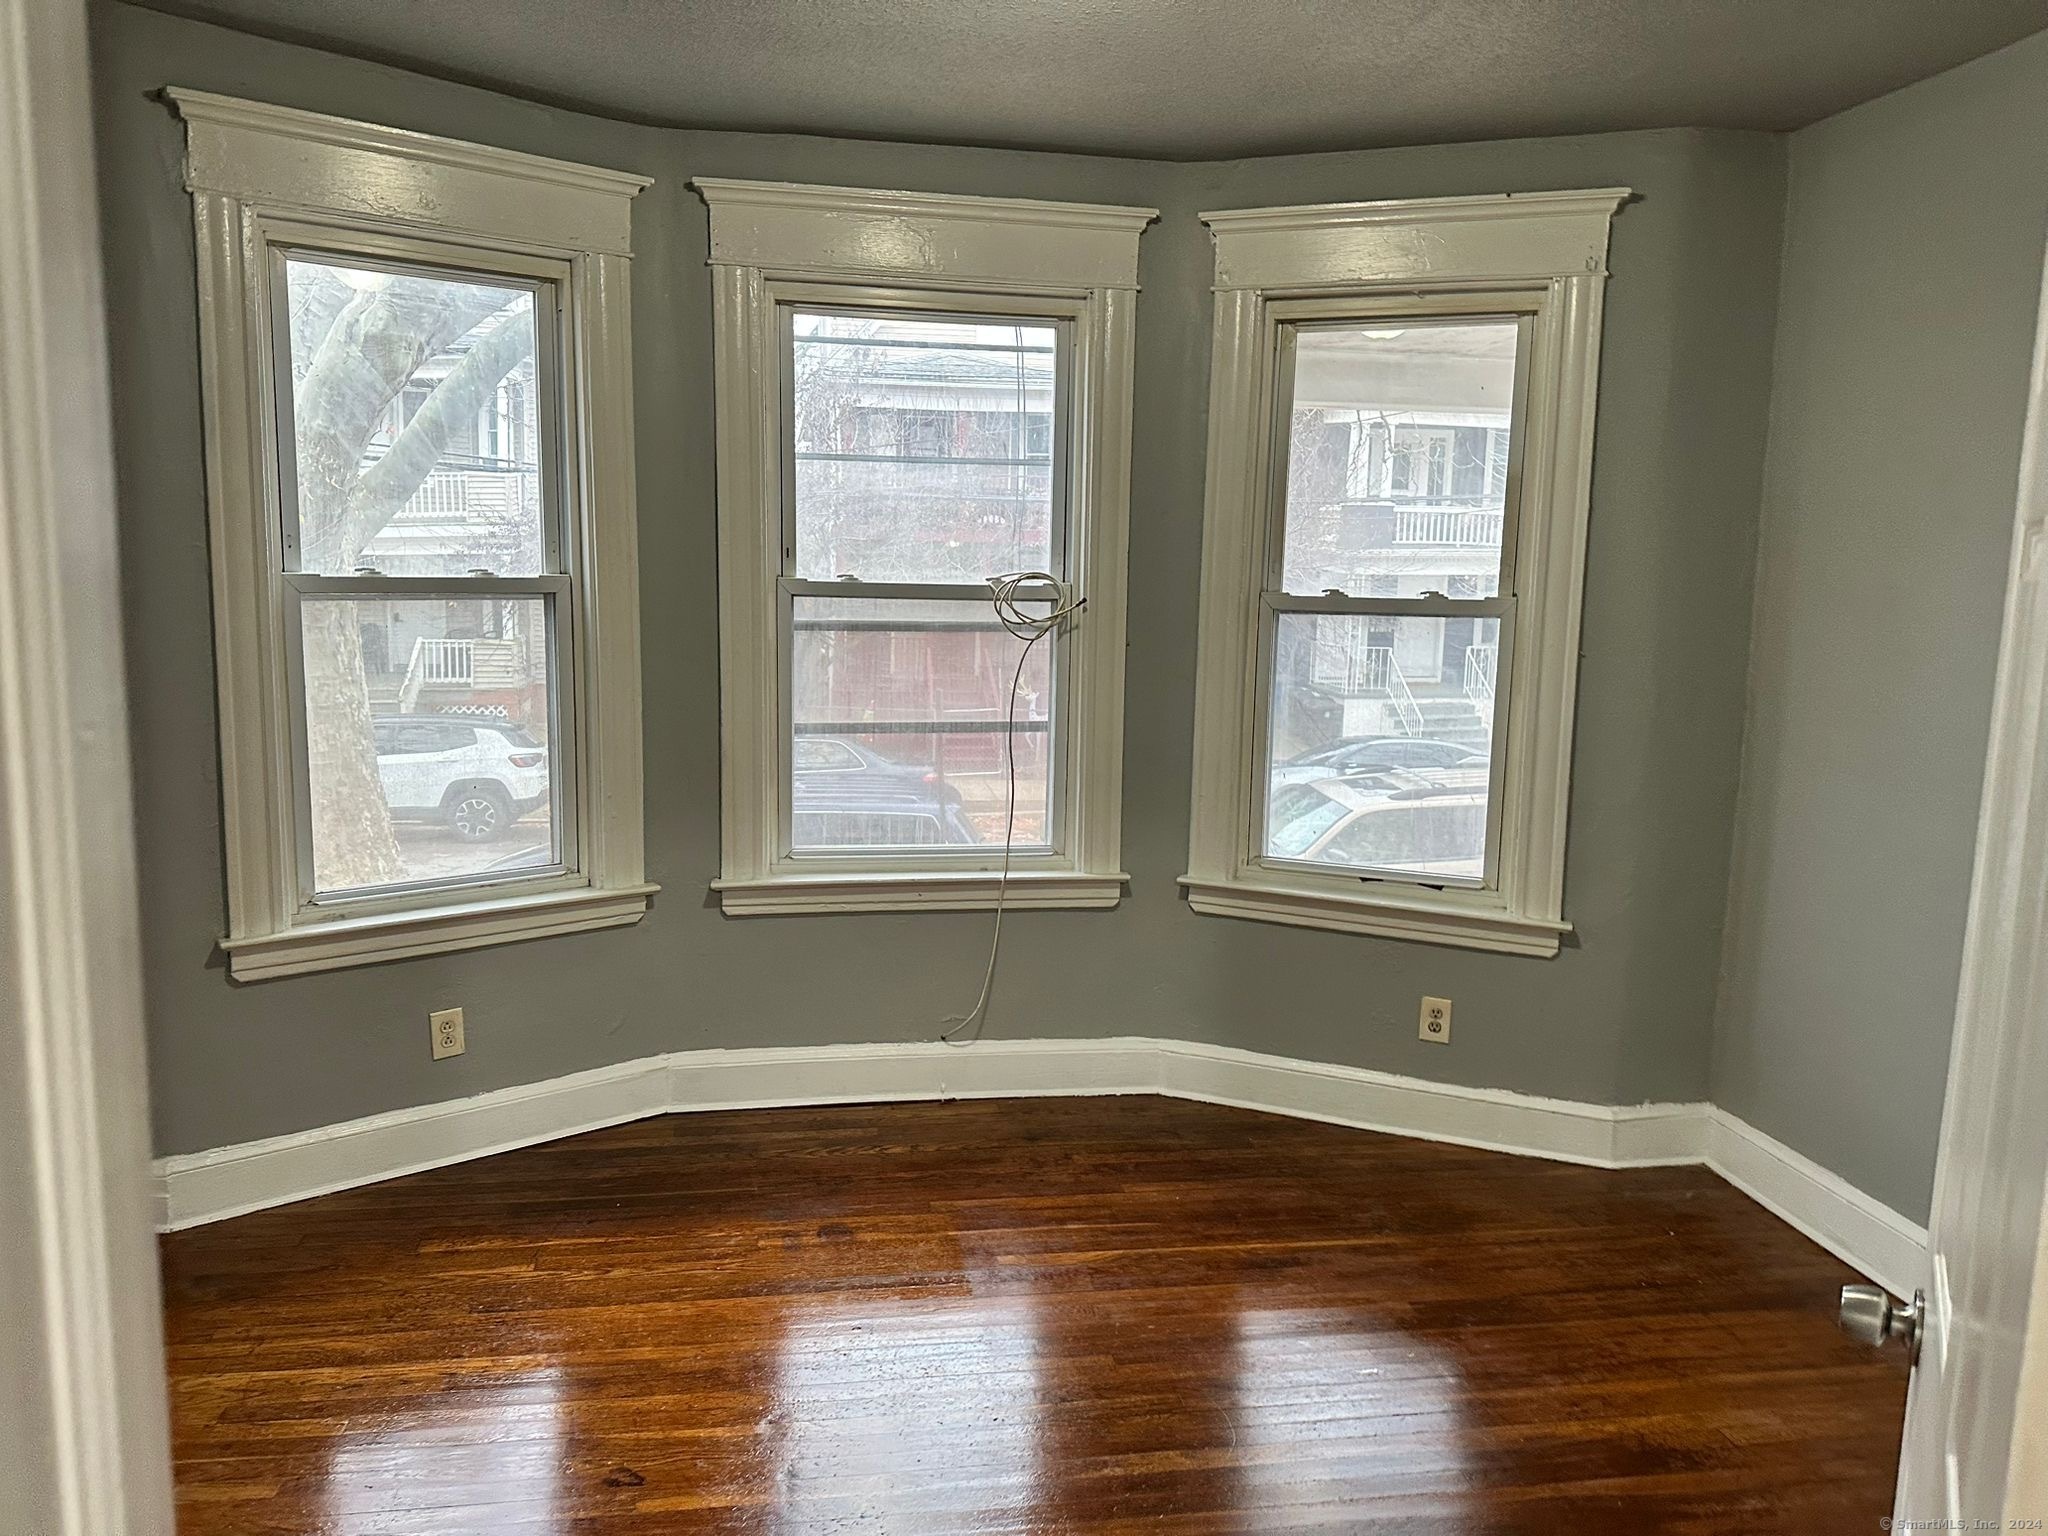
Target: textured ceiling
1177	79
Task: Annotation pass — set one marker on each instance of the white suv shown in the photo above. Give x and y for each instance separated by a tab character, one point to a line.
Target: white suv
1422	822
477	776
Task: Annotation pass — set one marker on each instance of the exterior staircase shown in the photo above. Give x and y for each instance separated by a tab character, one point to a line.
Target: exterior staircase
1453	718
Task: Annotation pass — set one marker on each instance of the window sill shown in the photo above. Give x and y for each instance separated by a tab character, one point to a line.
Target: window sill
340	942
1419	916
924	891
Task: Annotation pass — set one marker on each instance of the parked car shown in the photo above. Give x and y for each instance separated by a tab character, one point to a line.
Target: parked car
845	795
478	777
1429	821
1373	754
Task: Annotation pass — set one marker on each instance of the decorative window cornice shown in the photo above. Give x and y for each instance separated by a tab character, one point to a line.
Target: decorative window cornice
1509	236
966	241
283	158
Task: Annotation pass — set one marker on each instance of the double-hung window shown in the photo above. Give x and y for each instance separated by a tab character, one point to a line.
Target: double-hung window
909	472
919	395
1399	476
422	520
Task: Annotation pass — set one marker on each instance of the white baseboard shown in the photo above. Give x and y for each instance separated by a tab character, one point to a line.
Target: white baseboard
254	1175
1599	1134
201	1187
787	1076
231	1181
1857	1229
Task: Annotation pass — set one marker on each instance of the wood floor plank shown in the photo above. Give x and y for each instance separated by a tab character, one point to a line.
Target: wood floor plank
1089	1316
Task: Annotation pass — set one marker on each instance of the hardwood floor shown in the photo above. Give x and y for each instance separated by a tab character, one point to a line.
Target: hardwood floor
1082	1315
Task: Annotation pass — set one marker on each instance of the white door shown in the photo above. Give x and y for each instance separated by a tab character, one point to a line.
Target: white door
1976	1422
84	1449
1419	643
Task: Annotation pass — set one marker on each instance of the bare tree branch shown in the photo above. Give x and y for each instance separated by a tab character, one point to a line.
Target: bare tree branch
383	489
377	343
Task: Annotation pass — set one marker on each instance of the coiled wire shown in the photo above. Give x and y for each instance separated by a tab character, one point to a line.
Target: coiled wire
1030	628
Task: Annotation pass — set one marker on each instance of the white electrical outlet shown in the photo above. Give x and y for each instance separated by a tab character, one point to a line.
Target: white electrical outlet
446	1029
1436	1020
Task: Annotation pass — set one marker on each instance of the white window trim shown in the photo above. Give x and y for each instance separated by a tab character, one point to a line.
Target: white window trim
253	169
1549	250
774	243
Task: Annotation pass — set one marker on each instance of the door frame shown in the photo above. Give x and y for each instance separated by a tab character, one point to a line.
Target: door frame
1983	1373
83	1443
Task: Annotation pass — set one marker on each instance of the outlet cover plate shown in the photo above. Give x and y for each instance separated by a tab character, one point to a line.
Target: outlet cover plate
445	1028
1435	1025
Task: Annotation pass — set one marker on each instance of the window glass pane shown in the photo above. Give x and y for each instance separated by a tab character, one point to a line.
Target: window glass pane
923	448
415	422
1379	743
1397	458
427	739
900	711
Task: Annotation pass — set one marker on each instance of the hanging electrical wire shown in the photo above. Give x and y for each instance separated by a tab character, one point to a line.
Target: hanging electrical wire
1004	594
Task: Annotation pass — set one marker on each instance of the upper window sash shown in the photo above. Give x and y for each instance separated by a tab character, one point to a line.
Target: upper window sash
933	307
1541	259
777	248
272	186
1292	318
543	280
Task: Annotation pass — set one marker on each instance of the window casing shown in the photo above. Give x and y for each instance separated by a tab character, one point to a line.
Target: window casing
916	393
1399	472
421	511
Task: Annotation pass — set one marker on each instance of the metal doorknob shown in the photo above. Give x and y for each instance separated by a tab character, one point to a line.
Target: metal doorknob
1872	1315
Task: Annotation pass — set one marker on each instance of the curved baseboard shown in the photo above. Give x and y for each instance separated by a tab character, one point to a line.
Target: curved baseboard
230	1181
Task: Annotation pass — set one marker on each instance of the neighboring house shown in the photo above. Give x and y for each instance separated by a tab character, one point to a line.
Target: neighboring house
953	448
957	446
469	657
1394	497
943	447
908	444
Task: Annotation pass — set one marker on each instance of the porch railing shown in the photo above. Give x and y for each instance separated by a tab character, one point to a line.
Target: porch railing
436	664
1461	528
448	662
1482	663
1399	695
466	495
1366	672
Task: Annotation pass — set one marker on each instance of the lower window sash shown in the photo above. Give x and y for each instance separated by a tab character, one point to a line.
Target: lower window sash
434	749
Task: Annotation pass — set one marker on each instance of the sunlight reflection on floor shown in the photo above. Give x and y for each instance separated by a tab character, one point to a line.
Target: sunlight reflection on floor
1330	1402
874	1398
496	1440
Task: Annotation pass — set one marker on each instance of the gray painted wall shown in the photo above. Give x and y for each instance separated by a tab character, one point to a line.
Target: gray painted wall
1912	268
1623	1014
